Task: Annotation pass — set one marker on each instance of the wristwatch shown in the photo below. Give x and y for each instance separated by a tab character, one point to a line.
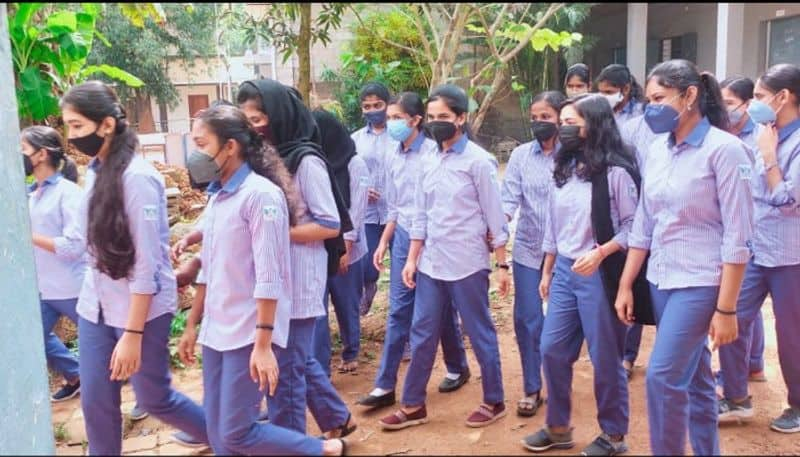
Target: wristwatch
504	266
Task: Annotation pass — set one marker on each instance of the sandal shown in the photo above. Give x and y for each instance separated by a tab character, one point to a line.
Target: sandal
348	367
344	446
343	430
528	406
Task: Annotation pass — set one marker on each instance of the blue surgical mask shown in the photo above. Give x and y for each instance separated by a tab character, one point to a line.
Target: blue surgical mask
661	118
399	129
735	116
375	117
761	112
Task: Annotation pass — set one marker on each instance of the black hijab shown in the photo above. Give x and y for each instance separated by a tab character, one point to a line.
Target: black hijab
296	135
338	147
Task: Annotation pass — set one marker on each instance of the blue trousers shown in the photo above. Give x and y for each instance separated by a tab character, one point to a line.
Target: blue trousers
374	233
100	397
398	322
60	359
783	285
345	292
680	385
528	322
757	344
232	400
578	308
302	382
471	298
633	338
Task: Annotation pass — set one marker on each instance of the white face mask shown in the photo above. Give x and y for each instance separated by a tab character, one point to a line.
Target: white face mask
614	99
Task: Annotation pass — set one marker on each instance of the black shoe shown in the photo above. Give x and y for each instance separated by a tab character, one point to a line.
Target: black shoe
66	392
372	401
451	385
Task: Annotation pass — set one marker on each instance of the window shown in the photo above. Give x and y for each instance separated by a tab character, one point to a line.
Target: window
679	47
783	41
619	56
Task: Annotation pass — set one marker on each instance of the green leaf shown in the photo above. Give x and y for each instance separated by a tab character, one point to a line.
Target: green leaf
62	22
91	8
37	94
25	12
517	87
113	72
102	38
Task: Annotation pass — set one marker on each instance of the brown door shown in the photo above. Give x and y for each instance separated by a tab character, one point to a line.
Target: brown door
196	103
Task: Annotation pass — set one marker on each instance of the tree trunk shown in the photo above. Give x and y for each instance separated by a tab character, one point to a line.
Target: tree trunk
304	54
488	99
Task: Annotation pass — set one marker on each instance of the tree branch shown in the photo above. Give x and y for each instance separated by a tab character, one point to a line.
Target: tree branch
490	31
524	42
385	40
423	37
429	17
499	18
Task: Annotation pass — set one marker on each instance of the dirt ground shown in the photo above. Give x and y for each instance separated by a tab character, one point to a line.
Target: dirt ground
446	432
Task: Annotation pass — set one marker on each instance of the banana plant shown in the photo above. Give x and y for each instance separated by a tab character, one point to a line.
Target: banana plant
50	45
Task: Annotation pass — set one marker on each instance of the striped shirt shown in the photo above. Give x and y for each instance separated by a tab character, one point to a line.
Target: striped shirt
527	184
628	112
55	213
375	149
568	229
310	260
457	201
637	134
245	257
146	209
359	183
696	208
404	168
749	136
776	240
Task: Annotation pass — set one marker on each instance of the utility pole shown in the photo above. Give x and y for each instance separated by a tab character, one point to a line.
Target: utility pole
25	424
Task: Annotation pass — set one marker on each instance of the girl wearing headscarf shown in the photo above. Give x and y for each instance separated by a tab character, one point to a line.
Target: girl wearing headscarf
345	286
278	114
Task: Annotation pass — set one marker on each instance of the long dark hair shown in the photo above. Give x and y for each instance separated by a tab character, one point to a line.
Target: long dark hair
48	138
783	76
553	98
741	86
411	103
230	123
581	70
603	142
681	74
618	76
109	239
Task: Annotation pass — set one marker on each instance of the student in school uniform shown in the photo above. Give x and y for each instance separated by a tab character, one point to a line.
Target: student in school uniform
578	80
775	266
457	204
345	287
278	113
593	189
404	168
128	296
737	91
695	219
59	246
374	145
526	186
244	289
624	94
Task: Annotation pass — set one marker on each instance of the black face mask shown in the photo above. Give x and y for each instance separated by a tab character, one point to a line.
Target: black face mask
89	144
28	164
441	131
543	131
568	136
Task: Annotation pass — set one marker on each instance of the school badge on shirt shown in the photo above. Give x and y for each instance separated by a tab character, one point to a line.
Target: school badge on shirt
270	213
632	192
150	212
364	181
745	172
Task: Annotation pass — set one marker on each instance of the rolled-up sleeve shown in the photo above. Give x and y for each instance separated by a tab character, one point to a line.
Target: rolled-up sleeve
626	195
71	245
145	204
733	173
359	185
314	182
511	193
786	195
268	222
491	204
549	241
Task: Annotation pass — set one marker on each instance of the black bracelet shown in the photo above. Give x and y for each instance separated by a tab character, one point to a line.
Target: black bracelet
504	266
265	327
138	332
726	313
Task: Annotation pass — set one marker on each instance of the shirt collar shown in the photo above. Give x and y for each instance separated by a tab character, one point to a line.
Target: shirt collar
416	144
629	107
749	126
696	136
95	164
233	184
459	145
787	130
536	148
372	132
52	179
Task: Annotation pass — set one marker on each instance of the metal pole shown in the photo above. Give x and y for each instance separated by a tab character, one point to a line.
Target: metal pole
25	424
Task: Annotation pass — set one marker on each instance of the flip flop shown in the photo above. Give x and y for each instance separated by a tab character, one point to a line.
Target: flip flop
528	406
348	367
344	430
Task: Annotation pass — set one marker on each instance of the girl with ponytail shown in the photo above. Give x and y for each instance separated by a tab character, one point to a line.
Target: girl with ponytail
695	219
245	288
128	297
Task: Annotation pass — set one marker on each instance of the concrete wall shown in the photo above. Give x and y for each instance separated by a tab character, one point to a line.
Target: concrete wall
178	117
755	33
666	20
608	24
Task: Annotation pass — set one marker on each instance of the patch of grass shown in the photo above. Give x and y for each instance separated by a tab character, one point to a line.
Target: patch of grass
60	431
